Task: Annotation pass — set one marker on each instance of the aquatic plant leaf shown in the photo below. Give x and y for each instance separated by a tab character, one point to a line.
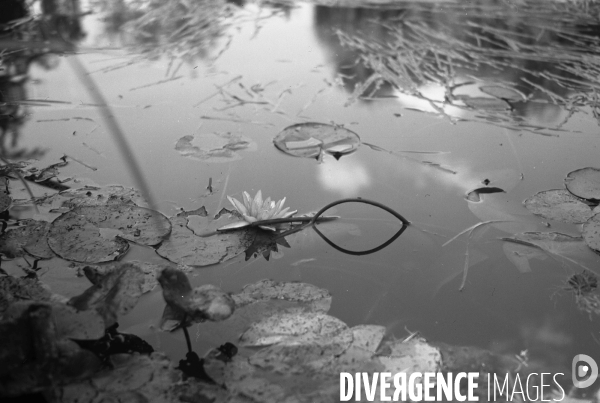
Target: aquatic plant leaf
14	289
206	302
5	200
114	342
28	238
311	139
565	248
113	294
150	272
591	232
559	205
214	147
263	299
130	378
473	195
502	92
265	290
184	247
521	254
283	328
584	183
35	350
94	234
414	355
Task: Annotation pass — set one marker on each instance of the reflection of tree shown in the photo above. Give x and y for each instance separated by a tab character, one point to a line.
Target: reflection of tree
176	28
25	40
549	51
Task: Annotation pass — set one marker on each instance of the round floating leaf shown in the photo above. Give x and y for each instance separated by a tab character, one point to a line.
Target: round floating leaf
30	238
502	92
584	183
87	234
311	139
559	205
184	247
591	232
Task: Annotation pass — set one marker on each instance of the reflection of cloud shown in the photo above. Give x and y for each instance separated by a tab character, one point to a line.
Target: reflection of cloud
346	176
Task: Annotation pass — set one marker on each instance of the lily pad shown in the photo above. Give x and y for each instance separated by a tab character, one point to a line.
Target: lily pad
559	205
591	232
184	247
584	183
264	299
311	139
87	234
29	238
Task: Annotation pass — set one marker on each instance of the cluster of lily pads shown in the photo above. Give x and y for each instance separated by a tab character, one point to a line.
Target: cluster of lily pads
576	204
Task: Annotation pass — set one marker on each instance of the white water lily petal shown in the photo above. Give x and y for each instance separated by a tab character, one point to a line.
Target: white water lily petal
250	219
257	204
238	205
247	200
267	227
234	225
279	206
290	213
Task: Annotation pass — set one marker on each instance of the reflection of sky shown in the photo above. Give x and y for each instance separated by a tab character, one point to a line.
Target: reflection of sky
346	177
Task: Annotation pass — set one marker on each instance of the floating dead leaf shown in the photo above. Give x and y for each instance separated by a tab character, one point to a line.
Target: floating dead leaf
113	294
584	183
86	234
559	205
473	195
30	237
566	249
521	254
206	302
485	104
48	172
214	147
184	247
502	92
5	200
311	139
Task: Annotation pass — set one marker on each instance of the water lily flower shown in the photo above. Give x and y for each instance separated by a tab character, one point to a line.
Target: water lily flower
255	209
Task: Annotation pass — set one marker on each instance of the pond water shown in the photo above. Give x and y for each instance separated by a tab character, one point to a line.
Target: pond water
201	98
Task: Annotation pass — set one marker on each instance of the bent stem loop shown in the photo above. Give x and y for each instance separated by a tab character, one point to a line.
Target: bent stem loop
311	221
